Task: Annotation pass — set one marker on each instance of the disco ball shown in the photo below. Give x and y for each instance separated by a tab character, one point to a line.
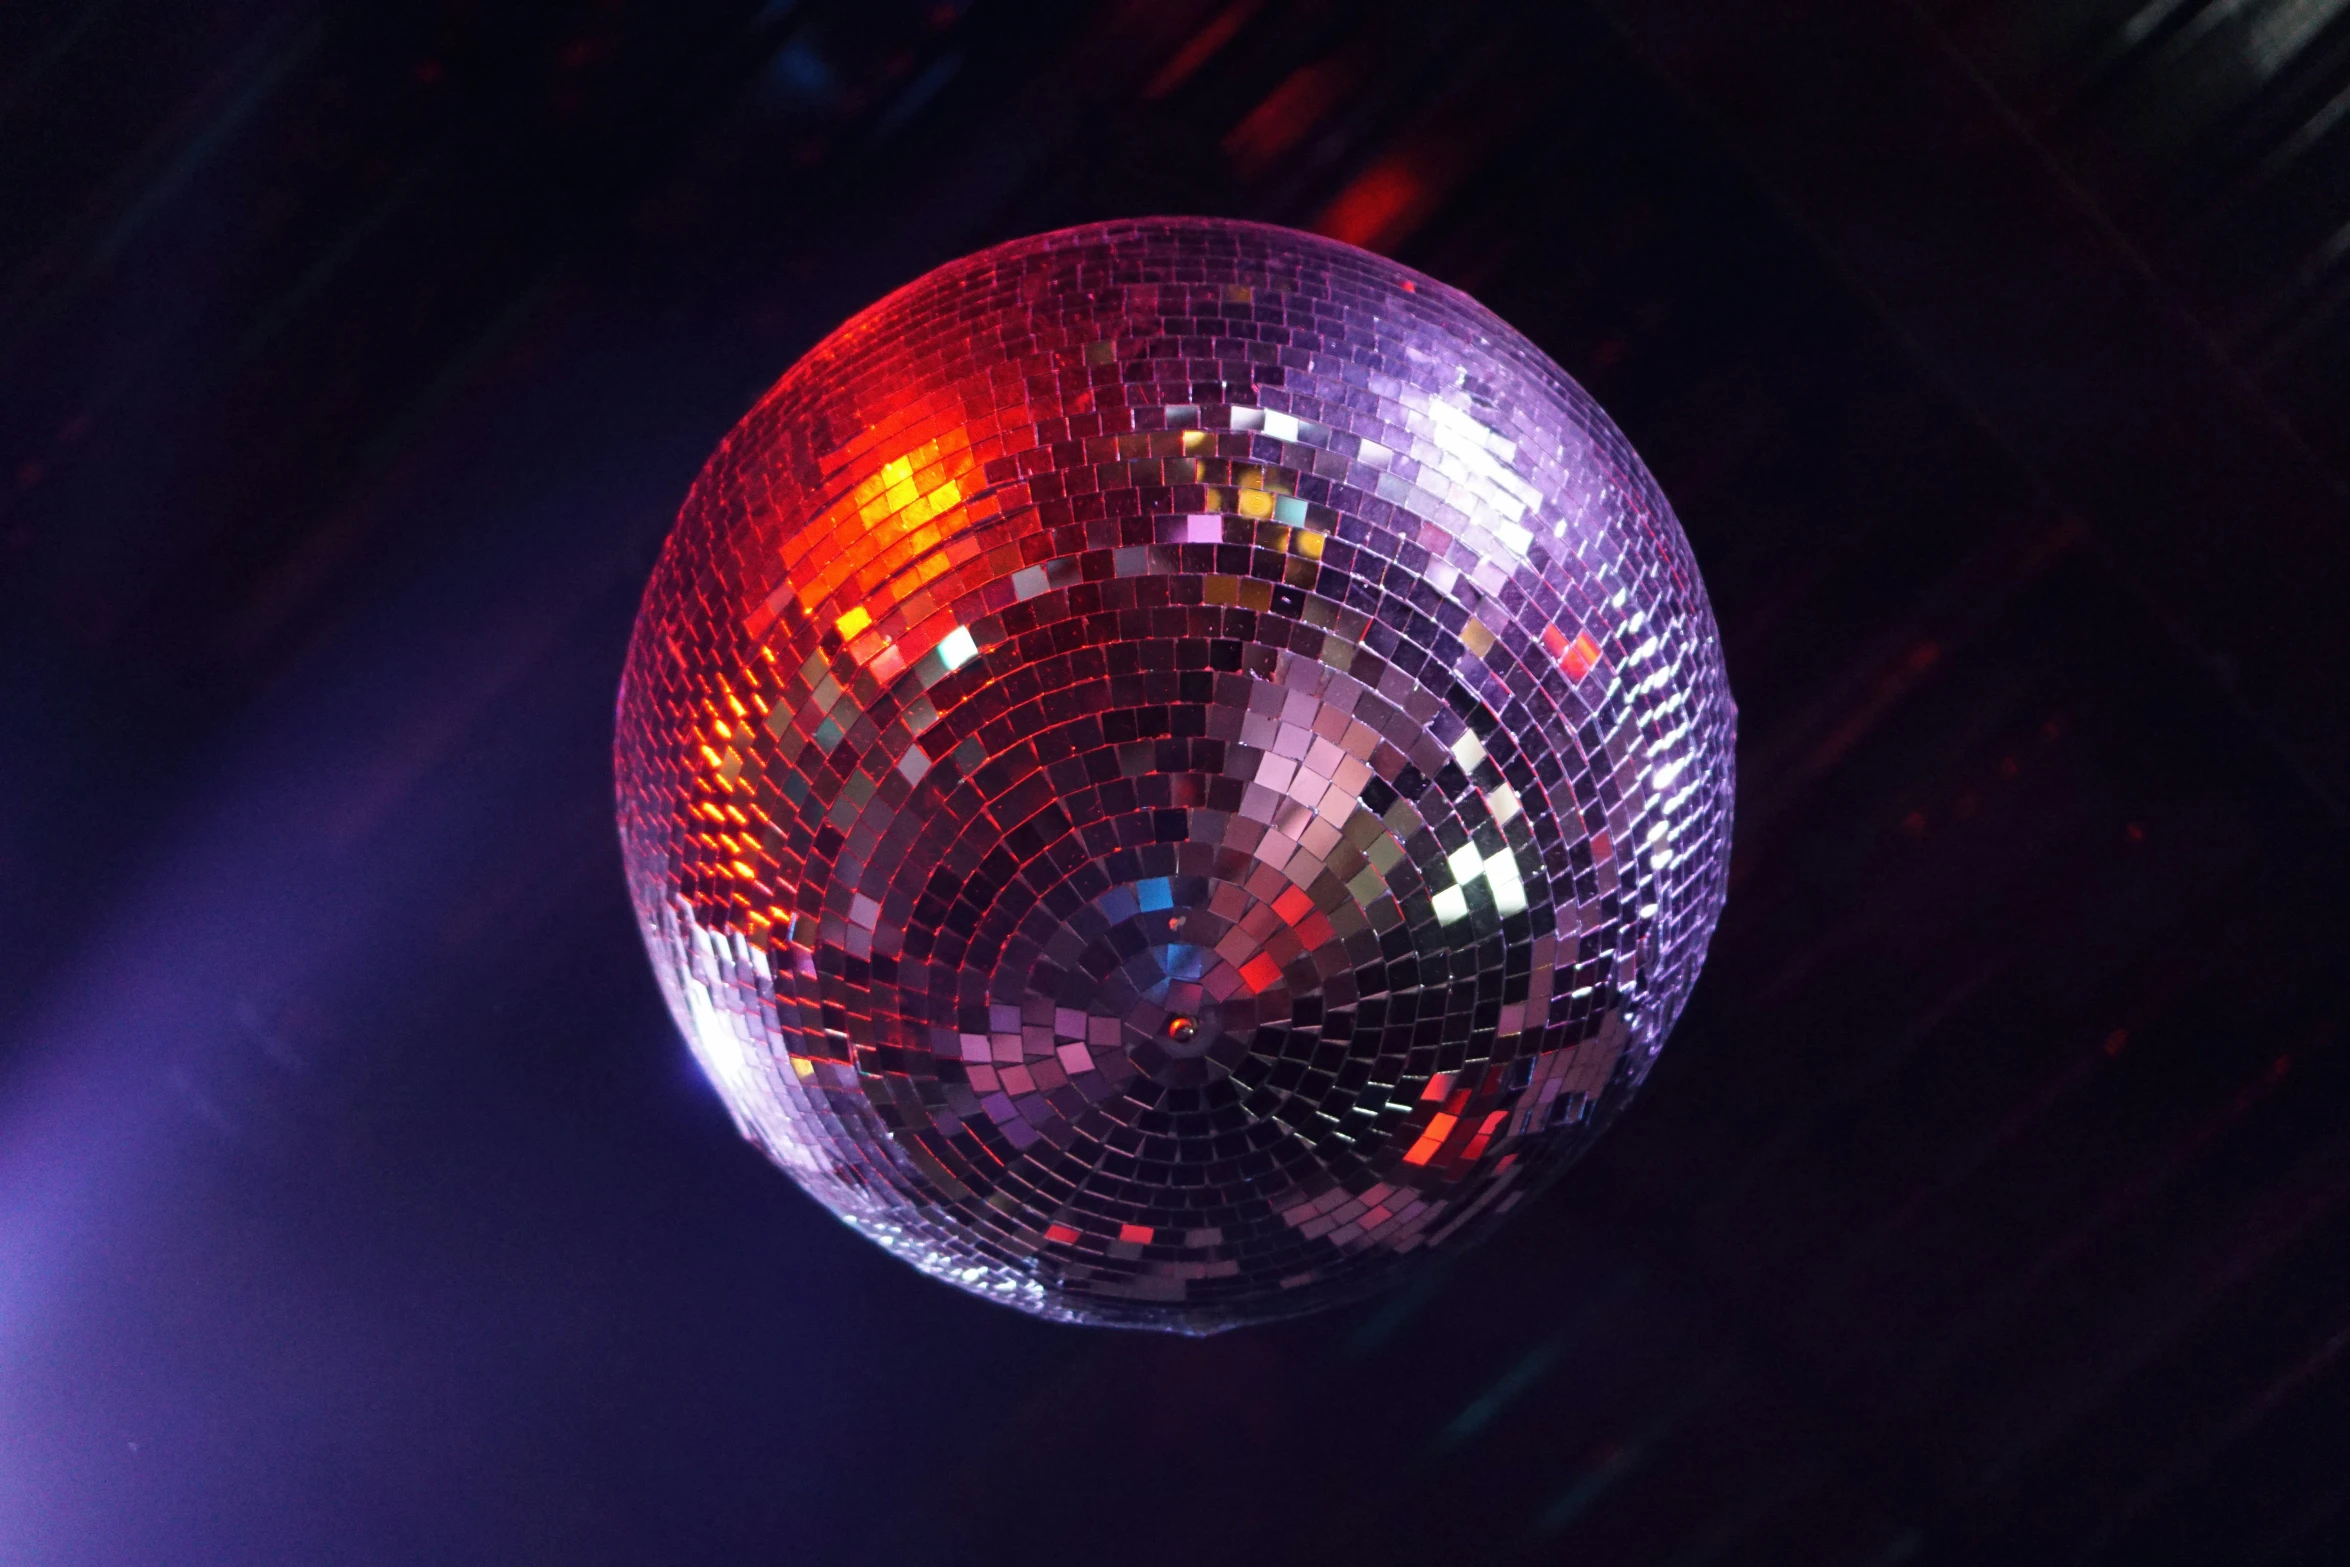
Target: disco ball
1173	770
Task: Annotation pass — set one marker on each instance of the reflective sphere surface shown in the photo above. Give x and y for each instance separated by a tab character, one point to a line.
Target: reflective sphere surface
1173	769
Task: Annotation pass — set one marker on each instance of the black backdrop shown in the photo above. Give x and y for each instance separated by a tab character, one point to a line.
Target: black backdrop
357	1200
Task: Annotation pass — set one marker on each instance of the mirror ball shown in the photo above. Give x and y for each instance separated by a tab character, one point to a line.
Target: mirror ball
1173	771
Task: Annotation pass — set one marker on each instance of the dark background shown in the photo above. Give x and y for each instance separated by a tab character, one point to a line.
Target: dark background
358	1202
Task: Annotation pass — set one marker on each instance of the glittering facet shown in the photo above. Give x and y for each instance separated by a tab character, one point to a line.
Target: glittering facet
1173	769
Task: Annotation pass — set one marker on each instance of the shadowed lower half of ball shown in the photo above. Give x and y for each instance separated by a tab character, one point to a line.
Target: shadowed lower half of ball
1173	770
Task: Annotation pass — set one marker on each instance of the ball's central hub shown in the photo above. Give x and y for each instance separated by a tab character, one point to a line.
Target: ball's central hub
1176	1031
1186	1036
